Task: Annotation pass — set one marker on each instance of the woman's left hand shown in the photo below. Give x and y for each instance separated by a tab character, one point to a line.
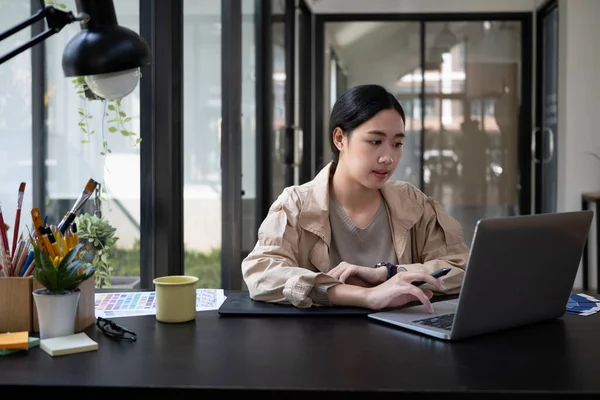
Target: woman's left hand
347	272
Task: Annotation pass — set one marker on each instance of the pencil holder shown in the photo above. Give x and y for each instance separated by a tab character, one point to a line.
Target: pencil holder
86	311
16	303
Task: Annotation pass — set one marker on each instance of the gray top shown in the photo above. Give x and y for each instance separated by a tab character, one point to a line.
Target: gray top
359	246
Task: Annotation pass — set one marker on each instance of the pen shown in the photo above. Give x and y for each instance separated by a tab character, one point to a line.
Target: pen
437	274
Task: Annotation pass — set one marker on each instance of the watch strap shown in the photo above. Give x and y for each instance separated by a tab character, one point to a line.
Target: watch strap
391	268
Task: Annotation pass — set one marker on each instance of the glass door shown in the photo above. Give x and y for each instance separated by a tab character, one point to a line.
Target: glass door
363	52
279	87
291	39
544	134
472	96
461	84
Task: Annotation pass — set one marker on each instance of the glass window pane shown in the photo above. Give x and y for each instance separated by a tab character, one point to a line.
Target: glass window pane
202	134
85	141
277	173
372	53
471	135
249	226
15	117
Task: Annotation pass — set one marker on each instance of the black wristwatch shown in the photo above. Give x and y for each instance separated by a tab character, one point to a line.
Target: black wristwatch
391	268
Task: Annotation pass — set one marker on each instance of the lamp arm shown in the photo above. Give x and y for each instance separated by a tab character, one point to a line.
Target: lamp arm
57	19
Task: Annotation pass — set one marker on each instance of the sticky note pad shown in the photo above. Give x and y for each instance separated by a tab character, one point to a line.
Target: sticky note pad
14	340
71	344
33	342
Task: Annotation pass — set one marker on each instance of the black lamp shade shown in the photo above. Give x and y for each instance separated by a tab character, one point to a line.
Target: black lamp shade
102	46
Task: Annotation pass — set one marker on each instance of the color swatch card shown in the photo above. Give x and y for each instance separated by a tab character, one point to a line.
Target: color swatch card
112	305
583	304
125	304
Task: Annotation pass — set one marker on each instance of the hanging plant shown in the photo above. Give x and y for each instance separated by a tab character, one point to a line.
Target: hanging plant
112	109
97	236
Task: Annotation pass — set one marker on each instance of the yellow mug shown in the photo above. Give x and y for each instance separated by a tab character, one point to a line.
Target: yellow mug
176	298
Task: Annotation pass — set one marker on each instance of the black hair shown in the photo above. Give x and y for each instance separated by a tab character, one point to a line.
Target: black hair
356	106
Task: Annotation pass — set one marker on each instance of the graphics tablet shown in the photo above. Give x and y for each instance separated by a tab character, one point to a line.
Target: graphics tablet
240	303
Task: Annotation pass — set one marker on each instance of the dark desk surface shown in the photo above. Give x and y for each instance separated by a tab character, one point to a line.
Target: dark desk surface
333	353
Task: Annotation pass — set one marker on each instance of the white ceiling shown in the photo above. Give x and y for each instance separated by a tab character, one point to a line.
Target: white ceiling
382	52
420	6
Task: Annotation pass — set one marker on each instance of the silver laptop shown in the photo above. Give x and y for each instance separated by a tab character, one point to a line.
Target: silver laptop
520	271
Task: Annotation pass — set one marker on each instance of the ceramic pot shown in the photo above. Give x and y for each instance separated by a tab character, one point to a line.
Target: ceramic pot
56	312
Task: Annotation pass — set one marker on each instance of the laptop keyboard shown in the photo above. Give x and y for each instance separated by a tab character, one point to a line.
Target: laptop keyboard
441	322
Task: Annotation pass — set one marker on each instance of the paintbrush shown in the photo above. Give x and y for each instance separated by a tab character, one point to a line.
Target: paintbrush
70	216
5	246
17	218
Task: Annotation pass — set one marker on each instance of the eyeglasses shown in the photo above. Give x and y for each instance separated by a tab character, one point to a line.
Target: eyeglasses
115	331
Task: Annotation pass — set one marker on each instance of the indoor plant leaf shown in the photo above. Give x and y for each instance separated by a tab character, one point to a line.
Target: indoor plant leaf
44	270
68	276
70	256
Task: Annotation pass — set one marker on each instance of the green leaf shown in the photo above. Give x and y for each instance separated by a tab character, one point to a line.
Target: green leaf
70	256
111	107
44	270
112	129
85	141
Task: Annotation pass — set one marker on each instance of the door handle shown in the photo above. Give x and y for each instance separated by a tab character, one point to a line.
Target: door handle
550	145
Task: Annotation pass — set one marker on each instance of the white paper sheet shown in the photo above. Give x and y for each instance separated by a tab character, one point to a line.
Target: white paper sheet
127	304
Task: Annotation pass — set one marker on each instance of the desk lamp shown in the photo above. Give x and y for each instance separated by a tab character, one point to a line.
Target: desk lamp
107	55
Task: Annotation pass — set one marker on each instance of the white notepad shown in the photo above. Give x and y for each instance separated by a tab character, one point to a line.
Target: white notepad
60	346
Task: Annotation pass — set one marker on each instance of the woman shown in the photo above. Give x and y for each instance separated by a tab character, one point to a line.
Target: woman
349	237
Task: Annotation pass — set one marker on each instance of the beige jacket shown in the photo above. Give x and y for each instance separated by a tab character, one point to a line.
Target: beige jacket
292	251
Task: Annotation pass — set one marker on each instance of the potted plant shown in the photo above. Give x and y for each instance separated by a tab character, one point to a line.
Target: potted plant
57	301
97	236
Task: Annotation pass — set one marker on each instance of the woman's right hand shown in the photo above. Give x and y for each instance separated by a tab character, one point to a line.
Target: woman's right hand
399	291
